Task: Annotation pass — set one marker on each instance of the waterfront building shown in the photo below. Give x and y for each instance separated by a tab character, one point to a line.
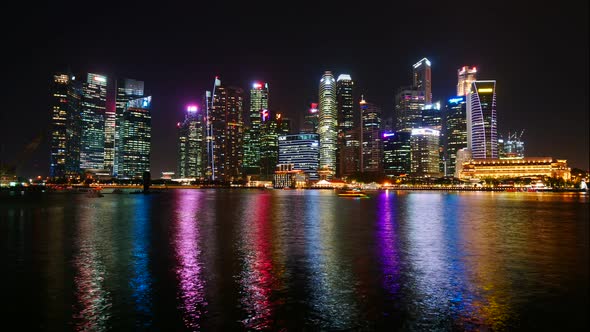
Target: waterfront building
482	136
515	168
252	139
371	148
425	157
455	131
345	102
92	122
135	138
311	120
285	176
465	76
396	153
302	151
350	152
65	126
126	90
191	145
463	156
271	129
422	78
328	121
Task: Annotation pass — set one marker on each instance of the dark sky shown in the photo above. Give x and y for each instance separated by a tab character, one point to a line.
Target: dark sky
537	53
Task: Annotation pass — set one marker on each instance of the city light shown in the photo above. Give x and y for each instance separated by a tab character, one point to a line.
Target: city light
192	108
456	100
484	90
257	85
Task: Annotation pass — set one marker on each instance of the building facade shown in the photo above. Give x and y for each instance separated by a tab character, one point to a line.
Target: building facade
252	139
311	120
191	145
515	168
135	138
271	129
455	131
371	156
422	78
397	157
92	122
126	90
328	122
482	132
465	77
409	103
425	157
302	151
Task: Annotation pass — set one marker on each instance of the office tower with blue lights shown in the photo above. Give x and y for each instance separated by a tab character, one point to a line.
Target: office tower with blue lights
465	77
92	122
258	105
191	144
65	126
302	151
135	138
455	131
371	148
126	90
396	153
482	132
225	132
328	123
424	151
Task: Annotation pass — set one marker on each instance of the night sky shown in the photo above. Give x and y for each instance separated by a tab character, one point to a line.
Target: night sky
537	54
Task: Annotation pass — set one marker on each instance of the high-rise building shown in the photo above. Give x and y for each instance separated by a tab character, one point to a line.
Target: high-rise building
482	134
465	77
463	156
424	145
344	97
226	132
328	121
258	103
455	131
311	119
92	122
135	138
371	147
511	147
302	151
409	103
396	153
422	78
191	145
432	116
126	90
350	152
271	129
65	126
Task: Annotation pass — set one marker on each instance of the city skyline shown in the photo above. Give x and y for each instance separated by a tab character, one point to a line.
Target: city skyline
294	78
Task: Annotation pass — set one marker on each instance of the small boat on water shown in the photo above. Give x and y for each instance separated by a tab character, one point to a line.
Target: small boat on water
353	193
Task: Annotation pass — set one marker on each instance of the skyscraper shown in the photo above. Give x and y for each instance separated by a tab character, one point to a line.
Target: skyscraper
258	103
409	103
422	78
311	119
396	153
455	131
344	97
191	145
350	152
126	90
301	150
92	122
424	146
135	138
465	76
371	156
327	126
271	129
65	126
482	132
226	132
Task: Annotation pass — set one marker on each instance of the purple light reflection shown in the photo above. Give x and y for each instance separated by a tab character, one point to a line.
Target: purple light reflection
387	239
188	253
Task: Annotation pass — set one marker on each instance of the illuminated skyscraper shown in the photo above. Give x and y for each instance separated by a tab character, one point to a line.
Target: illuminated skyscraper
422	78
371	148
455	131
311	119
126	90
350	152
258	103
271	129
396	153
135	138
409	103
328	122
191	144
424	147
226	131
482	132
465	76
301	150
344	97
92	122
65	126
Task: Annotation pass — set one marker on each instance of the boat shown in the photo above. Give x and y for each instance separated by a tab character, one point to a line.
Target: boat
94	193
353	193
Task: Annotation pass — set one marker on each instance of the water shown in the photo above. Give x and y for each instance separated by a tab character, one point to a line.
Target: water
295	260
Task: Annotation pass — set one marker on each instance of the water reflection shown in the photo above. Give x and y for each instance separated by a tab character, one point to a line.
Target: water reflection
141	279
387	244
188	254
94	302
